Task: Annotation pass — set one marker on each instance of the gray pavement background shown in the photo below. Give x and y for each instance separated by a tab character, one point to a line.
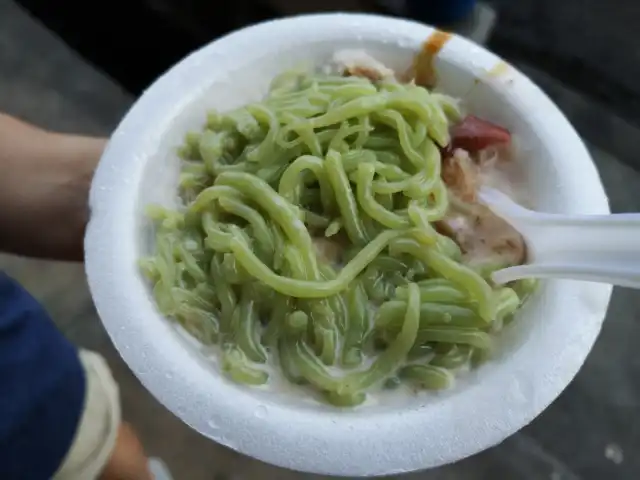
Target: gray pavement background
591	432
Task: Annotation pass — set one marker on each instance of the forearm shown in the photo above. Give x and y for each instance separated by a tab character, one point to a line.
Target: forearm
44	184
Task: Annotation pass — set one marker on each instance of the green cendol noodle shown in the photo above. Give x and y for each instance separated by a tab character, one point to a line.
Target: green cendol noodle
356	164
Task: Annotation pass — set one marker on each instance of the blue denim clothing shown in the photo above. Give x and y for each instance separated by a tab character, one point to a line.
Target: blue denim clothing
42	388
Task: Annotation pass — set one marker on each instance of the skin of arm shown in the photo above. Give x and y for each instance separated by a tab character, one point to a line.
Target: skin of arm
128	460
44	187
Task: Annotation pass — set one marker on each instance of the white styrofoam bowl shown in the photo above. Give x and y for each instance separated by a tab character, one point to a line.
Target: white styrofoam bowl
537	356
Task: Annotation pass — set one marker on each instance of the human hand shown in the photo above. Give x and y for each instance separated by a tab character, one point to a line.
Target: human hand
128	460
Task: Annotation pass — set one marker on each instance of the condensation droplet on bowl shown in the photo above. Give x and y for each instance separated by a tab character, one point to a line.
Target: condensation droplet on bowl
592	300
260	412
390	33
196	62
520	390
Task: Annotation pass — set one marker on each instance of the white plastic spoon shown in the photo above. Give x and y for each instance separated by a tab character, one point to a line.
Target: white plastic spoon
595	248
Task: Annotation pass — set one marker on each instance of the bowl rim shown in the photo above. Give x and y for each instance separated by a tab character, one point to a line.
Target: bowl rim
327	442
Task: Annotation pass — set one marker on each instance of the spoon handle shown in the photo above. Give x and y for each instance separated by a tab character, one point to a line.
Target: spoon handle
622	276
597	248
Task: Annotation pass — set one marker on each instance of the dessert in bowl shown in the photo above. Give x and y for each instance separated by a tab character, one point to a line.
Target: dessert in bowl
315	234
